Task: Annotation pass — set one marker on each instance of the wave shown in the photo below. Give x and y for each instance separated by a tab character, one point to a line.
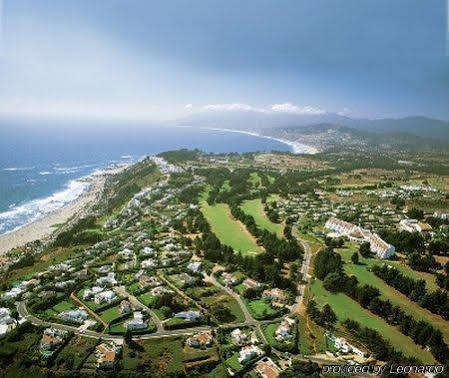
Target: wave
15	169
29	212
45	173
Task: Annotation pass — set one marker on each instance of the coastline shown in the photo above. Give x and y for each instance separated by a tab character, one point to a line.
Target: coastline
43	228
297	148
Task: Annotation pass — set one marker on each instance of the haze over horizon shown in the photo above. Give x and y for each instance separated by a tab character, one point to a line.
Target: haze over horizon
151	61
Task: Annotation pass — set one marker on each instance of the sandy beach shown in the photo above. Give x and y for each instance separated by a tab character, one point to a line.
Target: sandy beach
297	147
44	227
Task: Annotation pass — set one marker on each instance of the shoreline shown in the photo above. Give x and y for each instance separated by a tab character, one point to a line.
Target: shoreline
43	228
297	148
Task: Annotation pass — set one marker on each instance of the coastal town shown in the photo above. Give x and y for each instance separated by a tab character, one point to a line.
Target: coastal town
195	264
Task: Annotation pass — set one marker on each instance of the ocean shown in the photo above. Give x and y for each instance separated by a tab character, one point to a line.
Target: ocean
42	171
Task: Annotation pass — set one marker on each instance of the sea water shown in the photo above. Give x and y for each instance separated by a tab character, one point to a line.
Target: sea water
42	170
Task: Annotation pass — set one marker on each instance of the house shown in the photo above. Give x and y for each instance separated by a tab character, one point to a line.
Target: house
107	355
186	279
7	323
89	294
104	269
148	251
52	339
148	264
160	290
125	307
107	296
77	316
238	337
413	225
147	281
127	254
64	284
249	352
137	322
200	340
266	368
251	284
13	293
344	347
275	294
191	316
285	330
107	280
194	267
229	279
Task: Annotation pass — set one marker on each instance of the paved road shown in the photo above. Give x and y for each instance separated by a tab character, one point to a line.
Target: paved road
304	269
121	290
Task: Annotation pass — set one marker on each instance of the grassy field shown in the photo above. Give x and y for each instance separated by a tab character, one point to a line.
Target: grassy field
228	230
366	277
255	209
260	309
345	308
110	314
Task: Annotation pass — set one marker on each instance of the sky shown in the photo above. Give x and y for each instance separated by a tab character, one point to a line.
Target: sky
158	60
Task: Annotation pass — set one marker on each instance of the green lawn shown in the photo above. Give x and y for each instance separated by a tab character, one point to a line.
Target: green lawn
234	364
255	209
63	306
255	180
366	277
260	309
344	307
228	230
147	299
110	314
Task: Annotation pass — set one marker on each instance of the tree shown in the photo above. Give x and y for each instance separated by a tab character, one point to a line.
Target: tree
355	258
334	282
365	249
328	315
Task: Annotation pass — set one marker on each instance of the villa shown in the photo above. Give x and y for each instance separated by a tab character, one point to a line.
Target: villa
7	323
160	290
125	307
107	296
229	279
238	337
266	368
77	316
189	315
285	329
413	225
89	294
194	267
275	294
52	339
200	340
137	322
148	264
107	355
107	280
249	352
251	284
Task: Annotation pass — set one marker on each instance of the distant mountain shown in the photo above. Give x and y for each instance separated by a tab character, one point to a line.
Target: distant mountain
258	121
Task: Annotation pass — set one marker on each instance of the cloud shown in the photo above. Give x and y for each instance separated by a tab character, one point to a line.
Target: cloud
344	112
188	107
232	107
288	107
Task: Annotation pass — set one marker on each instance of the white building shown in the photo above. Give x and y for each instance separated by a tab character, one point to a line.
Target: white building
89	294
148	264
7	323
249	352
378	246
194	267
413	225
107	296
107	280
285	330
189	315
137	322
78	316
